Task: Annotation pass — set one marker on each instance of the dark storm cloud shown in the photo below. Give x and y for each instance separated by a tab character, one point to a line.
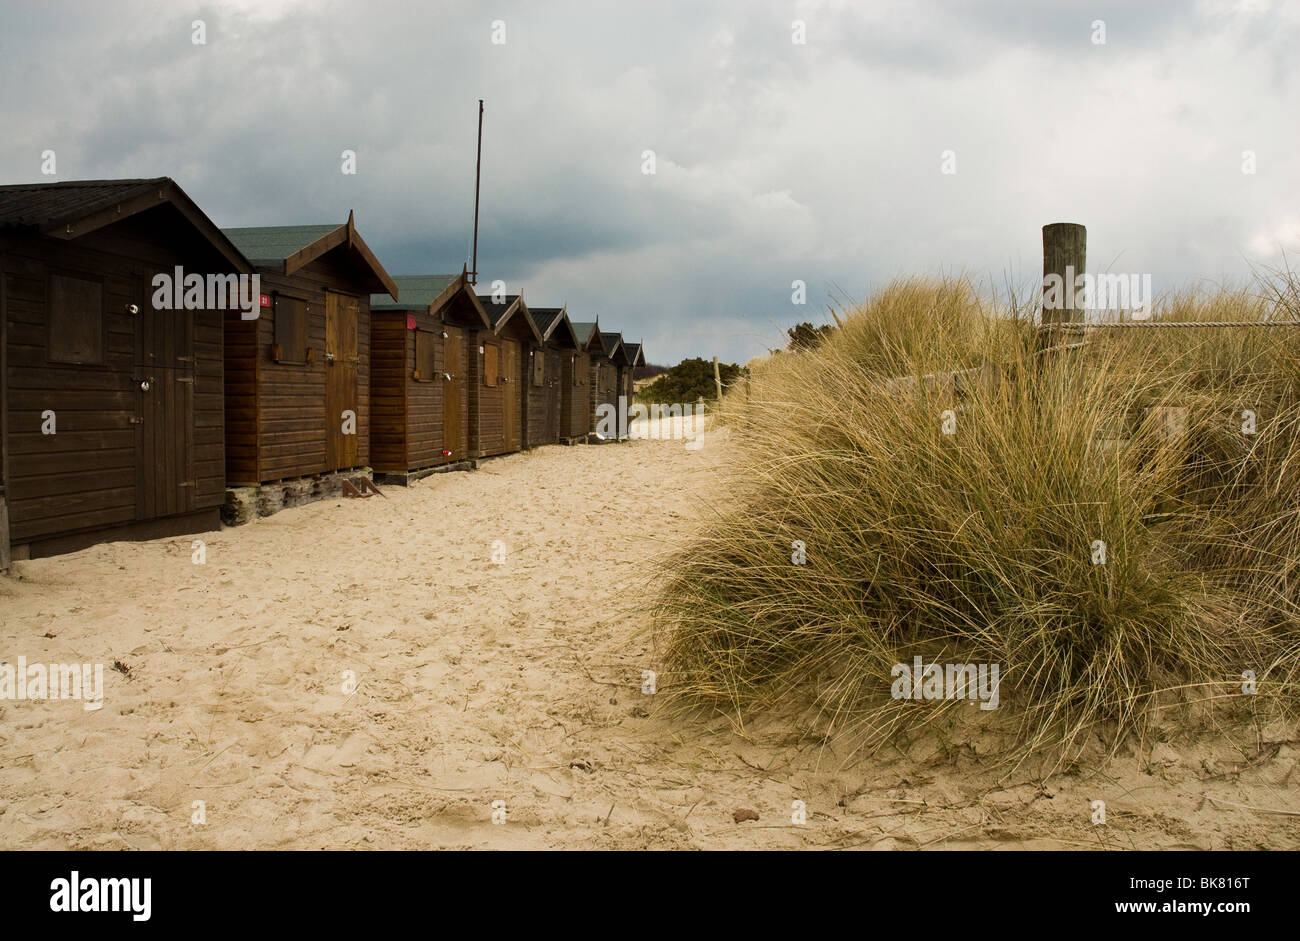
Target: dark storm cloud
775	161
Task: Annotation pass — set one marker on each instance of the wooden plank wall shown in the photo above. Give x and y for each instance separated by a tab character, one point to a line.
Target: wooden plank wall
578	420
539	399
54	488
406	422
594	361
490	432
290	396
555	362
209	460
4	443
392	358
474	373
459	444
425	399
84	477
240	399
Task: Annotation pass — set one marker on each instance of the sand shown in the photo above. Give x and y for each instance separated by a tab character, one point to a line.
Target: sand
518	682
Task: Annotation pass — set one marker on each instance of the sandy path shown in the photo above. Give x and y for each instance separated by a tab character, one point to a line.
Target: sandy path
480	682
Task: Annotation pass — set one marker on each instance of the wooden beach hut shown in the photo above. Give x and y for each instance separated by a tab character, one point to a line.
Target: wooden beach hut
110	390
499	402
298	378
420	353
592	346
635	358
553	373
612	372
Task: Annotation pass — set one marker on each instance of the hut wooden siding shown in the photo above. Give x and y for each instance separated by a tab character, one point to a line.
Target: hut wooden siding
622	362
284	406
135	391
536	380
577	404
555	387
420	373
593	354
502	407
559	346
610	374
636	357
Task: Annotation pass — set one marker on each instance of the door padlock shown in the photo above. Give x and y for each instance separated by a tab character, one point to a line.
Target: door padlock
145	383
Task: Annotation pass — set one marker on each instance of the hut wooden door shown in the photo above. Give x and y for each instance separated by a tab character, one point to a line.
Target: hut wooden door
453	395
512	393
553	396
164	393
567	390
341	405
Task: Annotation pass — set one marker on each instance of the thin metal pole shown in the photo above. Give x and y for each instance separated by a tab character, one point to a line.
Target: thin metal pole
478	166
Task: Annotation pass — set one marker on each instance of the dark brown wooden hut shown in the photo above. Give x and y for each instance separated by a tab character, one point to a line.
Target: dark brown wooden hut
593	349
610	382
635	358
298	378
500	400
575	423
110	402
553	372
420	354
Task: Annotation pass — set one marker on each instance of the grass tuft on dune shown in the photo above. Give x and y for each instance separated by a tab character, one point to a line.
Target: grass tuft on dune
1178	449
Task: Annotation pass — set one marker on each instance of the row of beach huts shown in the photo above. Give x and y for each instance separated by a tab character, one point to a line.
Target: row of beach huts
128	411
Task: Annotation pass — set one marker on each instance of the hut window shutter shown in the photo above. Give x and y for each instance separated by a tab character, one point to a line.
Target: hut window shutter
76	321
539	367
490	365
426	369
290	330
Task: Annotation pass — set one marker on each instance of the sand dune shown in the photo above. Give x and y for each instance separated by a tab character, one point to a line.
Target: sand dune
480	682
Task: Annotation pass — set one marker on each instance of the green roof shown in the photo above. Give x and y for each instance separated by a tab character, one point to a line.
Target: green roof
417	291
271	244
583	330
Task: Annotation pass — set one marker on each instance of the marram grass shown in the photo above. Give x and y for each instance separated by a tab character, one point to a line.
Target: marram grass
1175	451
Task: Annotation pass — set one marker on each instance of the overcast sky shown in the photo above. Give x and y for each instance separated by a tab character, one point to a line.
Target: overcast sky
774	160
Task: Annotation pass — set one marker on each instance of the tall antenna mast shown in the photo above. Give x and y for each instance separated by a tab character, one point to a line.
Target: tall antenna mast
478	166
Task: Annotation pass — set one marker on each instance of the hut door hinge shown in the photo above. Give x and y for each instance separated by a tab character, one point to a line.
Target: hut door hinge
135	420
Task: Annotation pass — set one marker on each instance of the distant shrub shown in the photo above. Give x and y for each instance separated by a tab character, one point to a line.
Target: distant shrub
648	371
805	336
688	381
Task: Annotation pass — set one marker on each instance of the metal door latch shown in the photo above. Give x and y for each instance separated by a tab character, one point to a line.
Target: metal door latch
145	384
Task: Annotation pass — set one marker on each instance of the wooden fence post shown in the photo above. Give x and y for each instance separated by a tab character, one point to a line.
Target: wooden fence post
717	379
1065	257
